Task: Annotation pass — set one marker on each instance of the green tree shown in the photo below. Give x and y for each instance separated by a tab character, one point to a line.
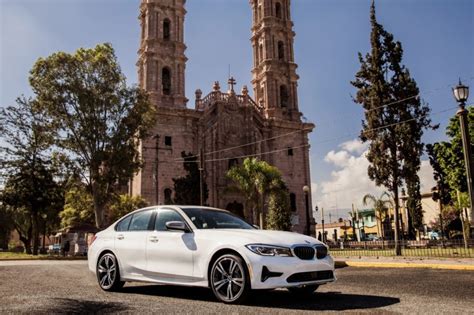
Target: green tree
98	120
124	204
187	189
394	116
381	206
31	193
447	159
279	212
413	205
6	225
437	157
257	180
78	207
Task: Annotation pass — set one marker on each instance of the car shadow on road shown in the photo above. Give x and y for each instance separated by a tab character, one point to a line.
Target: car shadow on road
74	306
334	301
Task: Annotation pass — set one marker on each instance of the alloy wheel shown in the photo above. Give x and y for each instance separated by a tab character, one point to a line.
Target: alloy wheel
106	271
228	278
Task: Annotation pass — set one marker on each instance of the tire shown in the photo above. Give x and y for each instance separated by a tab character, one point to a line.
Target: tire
108	273
304	290
229	279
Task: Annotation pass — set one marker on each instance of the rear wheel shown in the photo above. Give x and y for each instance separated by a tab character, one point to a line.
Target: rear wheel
304	290
229	279
108	273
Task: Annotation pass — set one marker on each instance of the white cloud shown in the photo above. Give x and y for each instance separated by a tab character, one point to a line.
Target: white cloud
340	158
355	146
349	181
426	176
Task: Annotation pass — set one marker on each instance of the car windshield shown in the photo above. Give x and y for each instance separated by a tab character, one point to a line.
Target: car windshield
215	219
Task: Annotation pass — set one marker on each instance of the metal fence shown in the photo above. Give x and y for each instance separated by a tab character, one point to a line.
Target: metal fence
424	248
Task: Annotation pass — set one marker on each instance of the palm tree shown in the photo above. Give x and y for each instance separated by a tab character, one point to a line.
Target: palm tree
255	179
381	206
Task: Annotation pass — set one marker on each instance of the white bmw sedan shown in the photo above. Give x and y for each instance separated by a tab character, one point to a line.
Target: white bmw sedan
206	247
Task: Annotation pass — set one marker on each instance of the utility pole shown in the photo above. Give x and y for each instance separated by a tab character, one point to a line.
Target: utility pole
353	223
201	170
322	222
157	188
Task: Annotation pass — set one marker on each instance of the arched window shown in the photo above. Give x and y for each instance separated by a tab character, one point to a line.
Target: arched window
166	81
281	50
166	29
284	96
168	193
261	52
278	10
293	202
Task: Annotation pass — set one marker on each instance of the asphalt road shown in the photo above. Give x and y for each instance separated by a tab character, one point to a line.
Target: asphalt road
68	287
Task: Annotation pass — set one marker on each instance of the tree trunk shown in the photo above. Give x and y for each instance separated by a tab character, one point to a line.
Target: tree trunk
26	240
35	233
98	207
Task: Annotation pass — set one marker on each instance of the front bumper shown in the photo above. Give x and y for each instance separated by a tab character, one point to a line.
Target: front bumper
278	270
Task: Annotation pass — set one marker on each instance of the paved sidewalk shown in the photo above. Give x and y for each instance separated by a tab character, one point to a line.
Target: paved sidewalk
406	262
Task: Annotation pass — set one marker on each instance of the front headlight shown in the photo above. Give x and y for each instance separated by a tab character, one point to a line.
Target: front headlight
269	250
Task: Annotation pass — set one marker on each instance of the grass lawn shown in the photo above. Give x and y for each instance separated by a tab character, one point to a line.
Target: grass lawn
23	256
408	252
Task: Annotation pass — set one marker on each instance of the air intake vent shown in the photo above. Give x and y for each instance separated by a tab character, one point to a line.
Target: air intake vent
310	276
304	252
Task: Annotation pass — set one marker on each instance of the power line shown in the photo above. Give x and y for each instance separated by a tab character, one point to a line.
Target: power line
318	142
302	130
248	144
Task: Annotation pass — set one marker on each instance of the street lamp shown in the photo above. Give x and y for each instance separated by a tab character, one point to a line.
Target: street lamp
306	198
322	223
461	93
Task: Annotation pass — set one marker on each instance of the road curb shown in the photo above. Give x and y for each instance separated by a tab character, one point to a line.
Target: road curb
349	263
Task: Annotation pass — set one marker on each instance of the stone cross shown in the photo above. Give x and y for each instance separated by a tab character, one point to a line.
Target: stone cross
232	82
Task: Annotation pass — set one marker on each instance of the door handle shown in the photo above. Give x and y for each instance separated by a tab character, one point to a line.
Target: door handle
120	237
154	239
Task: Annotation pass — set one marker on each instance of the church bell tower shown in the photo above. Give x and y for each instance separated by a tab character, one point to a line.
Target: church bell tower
274	70
162	62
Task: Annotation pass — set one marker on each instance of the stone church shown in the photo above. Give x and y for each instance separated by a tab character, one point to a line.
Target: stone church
226	125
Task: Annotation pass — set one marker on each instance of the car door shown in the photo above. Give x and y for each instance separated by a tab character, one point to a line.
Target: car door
130	242
170	253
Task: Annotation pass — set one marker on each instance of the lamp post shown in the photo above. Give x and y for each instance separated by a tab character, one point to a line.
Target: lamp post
461	93
306	199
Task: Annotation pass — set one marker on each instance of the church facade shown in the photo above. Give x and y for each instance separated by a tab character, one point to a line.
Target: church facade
225	125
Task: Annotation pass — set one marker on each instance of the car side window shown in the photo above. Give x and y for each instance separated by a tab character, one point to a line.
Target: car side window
122	226
166	215
140	221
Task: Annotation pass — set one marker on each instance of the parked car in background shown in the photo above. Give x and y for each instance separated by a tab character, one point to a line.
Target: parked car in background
206	247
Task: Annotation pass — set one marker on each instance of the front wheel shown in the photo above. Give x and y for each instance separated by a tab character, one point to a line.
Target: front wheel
304	290
108	274
229	279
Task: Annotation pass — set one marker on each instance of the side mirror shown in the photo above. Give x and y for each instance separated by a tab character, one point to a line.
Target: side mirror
177	226
256	226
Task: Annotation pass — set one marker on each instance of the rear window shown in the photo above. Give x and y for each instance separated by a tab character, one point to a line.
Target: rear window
123	225
140	221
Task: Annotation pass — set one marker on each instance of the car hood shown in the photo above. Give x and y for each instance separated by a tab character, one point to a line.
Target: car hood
245	237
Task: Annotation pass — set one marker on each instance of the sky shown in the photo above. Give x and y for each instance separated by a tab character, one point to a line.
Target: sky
437	38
